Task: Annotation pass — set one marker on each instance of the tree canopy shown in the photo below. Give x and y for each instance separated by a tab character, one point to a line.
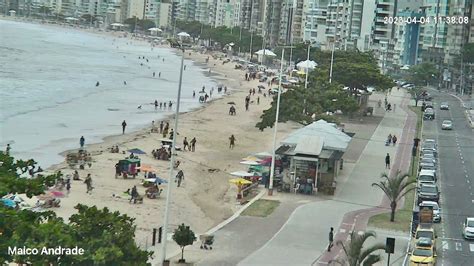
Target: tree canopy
183	236
351	69
106	237
422	74
468	53
144	24
221	35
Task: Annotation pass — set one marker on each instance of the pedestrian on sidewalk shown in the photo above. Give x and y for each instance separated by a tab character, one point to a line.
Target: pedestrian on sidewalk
394	140
331	239
387	161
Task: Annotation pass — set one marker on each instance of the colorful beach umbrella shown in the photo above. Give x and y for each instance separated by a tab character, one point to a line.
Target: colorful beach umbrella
250	163
240	181
57	194
8	202
136	151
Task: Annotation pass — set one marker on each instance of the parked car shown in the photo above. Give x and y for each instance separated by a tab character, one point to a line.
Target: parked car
468	228
424	163
424	253
430	156
444	106
436	210
425	180
447	125
428	192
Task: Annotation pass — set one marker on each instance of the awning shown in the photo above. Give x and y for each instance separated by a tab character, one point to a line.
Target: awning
305	158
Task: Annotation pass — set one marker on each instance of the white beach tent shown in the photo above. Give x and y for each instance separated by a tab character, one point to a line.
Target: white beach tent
183	34
155	29
307	64
267	52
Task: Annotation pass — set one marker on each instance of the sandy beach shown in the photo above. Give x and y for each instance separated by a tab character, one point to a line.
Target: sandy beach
205	198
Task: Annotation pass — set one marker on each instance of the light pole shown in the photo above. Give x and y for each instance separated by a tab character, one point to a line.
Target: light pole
173	156
275	127
307	67
332	60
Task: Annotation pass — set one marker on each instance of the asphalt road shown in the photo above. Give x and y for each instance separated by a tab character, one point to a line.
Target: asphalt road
456	180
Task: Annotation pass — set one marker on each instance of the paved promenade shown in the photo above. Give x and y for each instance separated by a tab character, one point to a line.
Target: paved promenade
303	239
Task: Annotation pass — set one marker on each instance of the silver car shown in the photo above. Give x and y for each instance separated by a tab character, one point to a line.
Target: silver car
444	106
447	125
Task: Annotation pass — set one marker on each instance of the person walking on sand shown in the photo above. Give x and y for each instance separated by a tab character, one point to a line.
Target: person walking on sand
232	142
68	185
161	127
134	194
387	161
88	183
193	145
185	144
124	125
82	141
179	177
331	239
258	99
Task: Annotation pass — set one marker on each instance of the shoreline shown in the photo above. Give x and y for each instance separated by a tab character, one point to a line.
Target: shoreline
206	197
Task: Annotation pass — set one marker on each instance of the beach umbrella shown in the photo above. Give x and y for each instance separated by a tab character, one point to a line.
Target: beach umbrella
251	158
250	163
136	151
57	194
240	181
233	103
267	52
242	174
15	198
263	154
44	196
8	202
146	168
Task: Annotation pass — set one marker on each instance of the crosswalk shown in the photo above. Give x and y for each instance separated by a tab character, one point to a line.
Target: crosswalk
456	245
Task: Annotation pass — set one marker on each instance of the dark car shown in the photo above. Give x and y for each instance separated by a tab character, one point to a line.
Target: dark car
427	192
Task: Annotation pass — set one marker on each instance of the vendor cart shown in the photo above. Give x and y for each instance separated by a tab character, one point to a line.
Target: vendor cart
128	167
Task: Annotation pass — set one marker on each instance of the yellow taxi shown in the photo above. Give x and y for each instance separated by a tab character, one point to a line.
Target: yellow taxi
423	254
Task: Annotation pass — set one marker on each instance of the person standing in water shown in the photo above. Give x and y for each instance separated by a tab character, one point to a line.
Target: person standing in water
97	84
156	104
124	125
82	141
153	74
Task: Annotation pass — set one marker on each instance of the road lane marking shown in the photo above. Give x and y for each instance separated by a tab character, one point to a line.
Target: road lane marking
458	246
445	245
471	247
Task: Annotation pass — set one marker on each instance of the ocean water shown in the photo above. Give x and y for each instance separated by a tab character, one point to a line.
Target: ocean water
48	93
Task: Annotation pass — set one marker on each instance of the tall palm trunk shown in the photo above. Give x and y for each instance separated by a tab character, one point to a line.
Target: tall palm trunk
393	206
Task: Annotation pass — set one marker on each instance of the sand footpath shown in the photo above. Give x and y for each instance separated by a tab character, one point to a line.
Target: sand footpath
205	198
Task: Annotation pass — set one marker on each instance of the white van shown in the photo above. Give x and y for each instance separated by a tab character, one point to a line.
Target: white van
426	177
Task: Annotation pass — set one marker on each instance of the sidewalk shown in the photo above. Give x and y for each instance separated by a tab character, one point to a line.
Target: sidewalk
303	239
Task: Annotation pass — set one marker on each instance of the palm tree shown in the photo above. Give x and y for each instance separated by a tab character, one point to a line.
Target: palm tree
355	253
395	188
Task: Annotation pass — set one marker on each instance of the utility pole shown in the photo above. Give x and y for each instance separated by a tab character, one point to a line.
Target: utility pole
251	31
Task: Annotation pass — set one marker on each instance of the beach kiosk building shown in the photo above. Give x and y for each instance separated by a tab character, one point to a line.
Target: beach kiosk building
315	155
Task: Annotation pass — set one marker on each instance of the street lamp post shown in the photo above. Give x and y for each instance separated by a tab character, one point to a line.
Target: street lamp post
275	127
170	177
332	60
307	68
